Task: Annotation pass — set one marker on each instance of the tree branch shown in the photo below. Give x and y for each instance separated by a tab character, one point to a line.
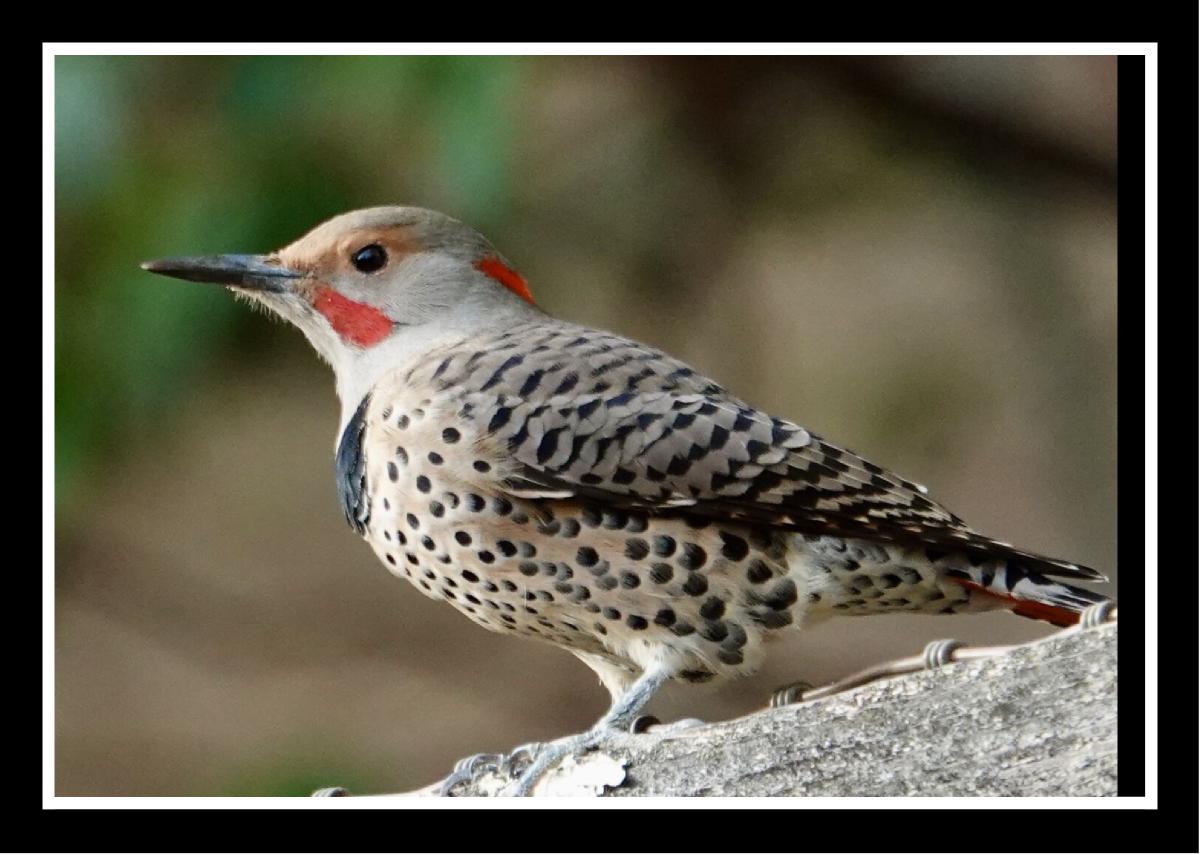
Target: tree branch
1038	720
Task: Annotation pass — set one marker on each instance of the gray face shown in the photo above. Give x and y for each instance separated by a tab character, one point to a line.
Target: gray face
367	287
359	278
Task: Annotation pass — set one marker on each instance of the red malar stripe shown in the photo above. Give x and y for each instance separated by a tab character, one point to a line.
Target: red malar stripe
506	276
1026	608
355	322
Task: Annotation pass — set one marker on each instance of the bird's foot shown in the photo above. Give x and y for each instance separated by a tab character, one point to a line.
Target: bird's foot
505	766
551	753
650	724
792	693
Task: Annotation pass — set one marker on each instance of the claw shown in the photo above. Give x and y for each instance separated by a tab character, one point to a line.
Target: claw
468	769
527	752
468	765
643	723
552	752
505	765
792	693
939	653
326	792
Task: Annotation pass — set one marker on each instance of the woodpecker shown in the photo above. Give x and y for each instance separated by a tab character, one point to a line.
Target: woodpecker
566	484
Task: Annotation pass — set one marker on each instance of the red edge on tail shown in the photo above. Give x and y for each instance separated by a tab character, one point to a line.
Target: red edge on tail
1056	615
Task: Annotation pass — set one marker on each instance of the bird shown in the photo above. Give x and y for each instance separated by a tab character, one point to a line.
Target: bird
570	485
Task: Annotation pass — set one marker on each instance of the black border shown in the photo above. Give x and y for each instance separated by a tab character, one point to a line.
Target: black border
960	830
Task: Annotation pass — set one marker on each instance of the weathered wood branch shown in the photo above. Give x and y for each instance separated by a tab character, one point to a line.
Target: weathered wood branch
1038	720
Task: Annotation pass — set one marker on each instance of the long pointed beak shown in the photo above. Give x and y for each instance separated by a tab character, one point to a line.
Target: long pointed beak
255	272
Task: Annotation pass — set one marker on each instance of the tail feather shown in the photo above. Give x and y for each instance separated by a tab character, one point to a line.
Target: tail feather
1028	593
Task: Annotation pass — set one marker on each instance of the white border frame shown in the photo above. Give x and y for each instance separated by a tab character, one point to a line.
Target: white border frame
1150	50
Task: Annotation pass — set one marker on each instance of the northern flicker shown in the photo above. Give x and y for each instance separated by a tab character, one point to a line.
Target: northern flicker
561	483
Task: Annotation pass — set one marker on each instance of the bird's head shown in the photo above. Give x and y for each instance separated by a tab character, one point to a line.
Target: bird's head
365	286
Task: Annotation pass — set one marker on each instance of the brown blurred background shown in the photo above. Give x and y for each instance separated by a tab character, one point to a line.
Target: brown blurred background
914	256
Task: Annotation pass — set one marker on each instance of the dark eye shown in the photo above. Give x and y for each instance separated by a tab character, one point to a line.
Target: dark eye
370	258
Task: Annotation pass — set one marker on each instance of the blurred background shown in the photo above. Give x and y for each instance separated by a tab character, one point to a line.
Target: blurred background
913	256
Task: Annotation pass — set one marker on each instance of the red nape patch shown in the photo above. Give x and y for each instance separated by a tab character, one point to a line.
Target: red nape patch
506	276
357	323
1056	615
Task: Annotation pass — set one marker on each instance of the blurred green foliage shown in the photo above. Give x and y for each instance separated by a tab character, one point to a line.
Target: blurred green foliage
158	156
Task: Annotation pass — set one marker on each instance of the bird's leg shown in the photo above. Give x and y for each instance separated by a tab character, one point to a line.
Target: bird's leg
617	720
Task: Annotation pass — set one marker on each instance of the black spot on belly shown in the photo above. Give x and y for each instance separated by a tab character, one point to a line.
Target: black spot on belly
695	585
661	573
665	617
734	548
712	608
783	596
758	571
692	557
615	519
771	620
714	631
737	637
664	546
636	548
